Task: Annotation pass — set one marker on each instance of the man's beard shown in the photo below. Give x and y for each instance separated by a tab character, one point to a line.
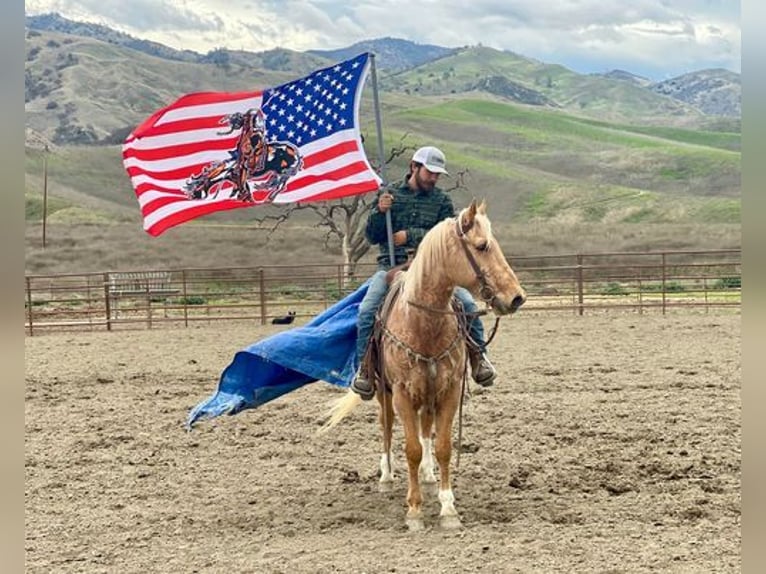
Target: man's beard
422	184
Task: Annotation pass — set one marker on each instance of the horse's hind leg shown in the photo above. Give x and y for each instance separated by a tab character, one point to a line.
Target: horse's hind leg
444	417
386	418
426	441
414	452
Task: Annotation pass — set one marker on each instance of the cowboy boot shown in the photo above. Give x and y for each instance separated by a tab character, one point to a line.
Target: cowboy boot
482	370
362	386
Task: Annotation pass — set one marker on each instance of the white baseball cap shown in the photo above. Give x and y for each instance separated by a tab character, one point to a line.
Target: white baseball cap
432	158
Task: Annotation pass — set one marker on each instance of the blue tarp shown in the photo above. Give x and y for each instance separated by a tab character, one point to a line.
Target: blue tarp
323	349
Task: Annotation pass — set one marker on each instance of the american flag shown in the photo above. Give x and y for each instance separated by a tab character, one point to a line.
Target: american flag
316	116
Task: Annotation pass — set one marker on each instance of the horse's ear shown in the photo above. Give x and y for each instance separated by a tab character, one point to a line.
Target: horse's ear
483	207
467	220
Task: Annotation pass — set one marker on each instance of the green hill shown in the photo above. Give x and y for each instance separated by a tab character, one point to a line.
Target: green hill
548	148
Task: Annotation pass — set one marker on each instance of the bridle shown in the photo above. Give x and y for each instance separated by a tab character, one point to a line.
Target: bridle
486	291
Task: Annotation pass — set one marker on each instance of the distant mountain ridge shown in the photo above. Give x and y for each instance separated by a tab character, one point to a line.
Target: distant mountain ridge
394	54
56	23
713	92
627	77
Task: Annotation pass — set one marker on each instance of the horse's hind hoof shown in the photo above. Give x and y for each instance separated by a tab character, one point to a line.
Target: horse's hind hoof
450	523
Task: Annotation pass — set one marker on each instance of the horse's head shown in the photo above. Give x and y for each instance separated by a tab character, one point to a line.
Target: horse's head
485	271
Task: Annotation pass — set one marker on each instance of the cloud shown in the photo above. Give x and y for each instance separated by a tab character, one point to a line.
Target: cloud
660	36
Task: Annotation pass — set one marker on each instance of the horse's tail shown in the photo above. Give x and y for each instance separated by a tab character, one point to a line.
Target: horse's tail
339	410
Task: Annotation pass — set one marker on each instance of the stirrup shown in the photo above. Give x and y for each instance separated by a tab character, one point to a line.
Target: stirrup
362	387
484	373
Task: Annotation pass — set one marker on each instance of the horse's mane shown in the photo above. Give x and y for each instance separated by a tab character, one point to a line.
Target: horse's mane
431	251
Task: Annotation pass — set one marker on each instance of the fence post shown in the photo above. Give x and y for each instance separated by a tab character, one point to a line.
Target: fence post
29	305
148	306
704	286
579	285
186	298
262	290
664	277
107	303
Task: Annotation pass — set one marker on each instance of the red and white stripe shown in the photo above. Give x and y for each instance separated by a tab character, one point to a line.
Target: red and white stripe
179	140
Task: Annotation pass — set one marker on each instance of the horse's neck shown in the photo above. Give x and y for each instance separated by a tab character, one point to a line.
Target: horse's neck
435	290
424	319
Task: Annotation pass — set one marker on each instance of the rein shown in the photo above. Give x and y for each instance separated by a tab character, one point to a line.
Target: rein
446	312
487	292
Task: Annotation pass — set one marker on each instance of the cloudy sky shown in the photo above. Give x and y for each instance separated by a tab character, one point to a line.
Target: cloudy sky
657	39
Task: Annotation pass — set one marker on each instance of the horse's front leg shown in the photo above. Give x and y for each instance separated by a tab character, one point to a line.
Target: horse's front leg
386	418
426	441
444	418
414	452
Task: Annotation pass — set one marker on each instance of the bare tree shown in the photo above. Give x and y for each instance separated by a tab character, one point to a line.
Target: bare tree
344	220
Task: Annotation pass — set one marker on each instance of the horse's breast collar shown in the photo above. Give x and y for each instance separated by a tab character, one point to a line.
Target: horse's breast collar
382	331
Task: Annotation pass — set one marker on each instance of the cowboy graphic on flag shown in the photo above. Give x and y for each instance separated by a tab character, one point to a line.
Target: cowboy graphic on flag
257	169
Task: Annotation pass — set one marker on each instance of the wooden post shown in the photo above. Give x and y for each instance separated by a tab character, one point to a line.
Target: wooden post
29	305
186	300
579	285
664	277
148	305
262	290
107	303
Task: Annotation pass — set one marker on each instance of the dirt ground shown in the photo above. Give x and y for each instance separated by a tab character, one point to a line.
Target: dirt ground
610	443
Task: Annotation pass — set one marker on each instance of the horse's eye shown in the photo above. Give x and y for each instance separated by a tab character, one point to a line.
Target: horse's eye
483	246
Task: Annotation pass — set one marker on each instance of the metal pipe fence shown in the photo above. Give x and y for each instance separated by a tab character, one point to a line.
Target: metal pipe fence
646	282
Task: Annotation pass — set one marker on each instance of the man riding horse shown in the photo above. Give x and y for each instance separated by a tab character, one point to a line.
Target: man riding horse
416	205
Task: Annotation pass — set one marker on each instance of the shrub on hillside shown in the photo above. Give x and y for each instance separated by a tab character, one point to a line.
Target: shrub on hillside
728	283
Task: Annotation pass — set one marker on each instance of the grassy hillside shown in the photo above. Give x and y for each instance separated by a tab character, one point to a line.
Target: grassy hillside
82	87
550	85
558	178
544	164
554	183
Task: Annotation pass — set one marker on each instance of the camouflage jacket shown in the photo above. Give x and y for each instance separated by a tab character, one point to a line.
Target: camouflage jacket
414	212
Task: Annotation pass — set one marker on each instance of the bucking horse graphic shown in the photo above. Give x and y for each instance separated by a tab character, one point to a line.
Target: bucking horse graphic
257	169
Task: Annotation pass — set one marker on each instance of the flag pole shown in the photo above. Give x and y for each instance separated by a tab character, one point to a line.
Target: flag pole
381	154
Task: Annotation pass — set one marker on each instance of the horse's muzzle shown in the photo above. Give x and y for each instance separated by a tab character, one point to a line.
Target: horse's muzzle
503	307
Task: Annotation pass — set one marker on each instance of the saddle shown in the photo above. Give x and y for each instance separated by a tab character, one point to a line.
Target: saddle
392	273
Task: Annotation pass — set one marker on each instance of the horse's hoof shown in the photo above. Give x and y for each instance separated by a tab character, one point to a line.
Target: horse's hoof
450	522
415	524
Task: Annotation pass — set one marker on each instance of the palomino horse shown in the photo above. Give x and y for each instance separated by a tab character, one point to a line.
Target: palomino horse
423	352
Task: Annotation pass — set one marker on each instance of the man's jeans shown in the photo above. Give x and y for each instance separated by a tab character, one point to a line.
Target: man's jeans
376	292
